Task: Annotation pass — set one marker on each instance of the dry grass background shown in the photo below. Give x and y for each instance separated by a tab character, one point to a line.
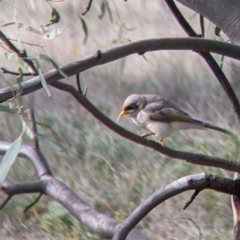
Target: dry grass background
98	164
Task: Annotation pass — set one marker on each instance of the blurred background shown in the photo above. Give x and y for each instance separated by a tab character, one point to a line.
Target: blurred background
95	162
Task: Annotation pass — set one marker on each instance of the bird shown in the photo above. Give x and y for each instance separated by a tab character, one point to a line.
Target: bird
160	117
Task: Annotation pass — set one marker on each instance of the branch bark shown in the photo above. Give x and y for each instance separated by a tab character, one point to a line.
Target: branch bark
188	157
224	14
198	182
98	223
110	55
230	94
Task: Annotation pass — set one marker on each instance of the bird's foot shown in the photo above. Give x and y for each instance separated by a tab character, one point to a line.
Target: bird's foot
160	141
146	135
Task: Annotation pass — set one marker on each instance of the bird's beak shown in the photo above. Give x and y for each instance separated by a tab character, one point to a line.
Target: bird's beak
121	114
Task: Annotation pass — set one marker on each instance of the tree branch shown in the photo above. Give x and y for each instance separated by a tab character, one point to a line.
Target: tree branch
110	55
21	54
31	118
188	157
193	182
31	154
4	70
88	7
226	16
23	188
98	223
230	94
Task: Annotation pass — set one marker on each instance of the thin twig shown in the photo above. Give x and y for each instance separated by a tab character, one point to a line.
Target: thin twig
196	192
193	158
230	94
78	84
33	203
5	202
20	54
88	7
31	117
31	44
85	91
4	70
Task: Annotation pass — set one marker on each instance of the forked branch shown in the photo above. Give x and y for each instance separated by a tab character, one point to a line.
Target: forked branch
47	184
124	50
197	182
199	159
231	96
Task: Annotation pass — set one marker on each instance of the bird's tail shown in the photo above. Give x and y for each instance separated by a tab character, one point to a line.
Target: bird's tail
210	126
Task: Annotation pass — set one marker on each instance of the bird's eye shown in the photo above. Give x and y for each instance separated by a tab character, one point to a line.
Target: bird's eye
131	107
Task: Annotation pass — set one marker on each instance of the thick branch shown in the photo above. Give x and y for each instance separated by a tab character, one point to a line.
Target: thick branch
110	55
194	182
23	188
98	223
224	13
189	157
232	98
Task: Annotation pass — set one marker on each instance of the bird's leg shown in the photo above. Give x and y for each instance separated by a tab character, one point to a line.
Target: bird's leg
160	141
146	135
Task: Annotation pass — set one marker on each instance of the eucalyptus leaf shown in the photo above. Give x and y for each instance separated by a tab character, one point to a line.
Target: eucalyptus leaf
55	33
6	109
122	65
217	31
27	129
103	10
32	4
85	29
50	143
43	80
9	55
9	158
23	26
109	12
49	60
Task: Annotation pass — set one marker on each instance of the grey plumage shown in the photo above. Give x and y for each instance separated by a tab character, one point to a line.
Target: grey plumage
161	117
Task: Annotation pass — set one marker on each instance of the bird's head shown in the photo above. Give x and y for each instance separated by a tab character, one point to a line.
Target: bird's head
132	105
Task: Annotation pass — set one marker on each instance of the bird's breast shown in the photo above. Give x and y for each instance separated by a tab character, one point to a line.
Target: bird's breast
135	121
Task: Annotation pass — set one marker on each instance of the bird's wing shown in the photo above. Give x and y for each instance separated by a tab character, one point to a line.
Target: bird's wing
167	114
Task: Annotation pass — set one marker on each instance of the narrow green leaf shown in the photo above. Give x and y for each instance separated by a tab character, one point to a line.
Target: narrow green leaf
49	60
43	124
32	4
9	158
23	26
202	25
55	33
50	143
103	10
6	109
109	12
43	80
221	61
122	65
9	55
85	29
217	31
27	129
19	80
